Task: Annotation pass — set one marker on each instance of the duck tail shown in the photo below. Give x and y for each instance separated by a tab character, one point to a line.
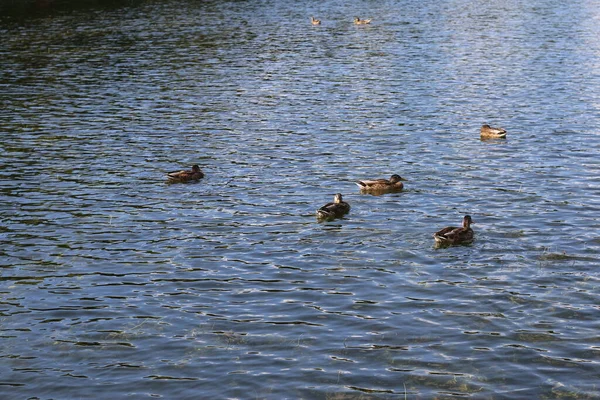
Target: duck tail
361	184
440	238
323	214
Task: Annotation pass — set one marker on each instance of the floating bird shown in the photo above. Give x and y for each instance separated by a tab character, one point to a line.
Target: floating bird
455	235
487	132
358	21
315	21
185	176
382	185
337	209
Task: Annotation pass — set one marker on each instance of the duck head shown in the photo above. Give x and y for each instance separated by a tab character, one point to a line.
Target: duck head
396	178
467	221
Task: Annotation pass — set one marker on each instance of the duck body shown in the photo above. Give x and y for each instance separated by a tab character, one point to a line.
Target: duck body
382	185
358	21
487	132
453	235
337	209
315	21
185	176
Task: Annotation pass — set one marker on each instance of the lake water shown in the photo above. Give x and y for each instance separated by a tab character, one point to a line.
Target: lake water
115	284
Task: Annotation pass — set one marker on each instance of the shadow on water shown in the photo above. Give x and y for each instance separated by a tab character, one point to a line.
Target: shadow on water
27	9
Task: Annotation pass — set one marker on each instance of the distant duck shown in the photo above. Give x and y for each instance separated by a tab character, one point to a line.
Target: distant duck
185	176
358	21
455	235
315	21
487	132
337	209
382	185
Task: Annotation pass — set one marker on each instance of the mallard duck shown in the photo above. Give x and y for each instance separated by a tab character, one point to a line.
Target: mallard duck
455	235
393	184
185	176
315	21
487	132
337	209
359	21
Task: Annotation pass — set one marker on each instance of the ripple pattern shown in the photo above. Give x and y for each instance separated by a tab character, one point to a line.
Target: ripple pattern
115	283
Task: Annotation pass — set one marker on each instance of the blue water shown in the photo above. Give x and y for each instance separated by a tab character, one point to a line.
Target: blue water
115	284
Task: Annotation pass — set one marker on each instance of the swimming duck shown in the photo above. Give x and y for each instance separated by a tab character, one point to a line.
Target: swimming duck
455	235
359	21
337	209
487	132
185	176
377	185
315	21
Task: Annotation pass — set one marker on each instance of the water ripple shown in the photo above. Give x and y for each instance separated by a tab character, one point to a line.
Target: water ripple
113	277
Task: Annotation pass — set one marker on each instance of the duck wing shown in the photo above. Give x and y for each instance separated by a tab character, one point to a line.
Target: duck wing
327	207
444	233
178	174
454	235
185	175
498	132
333	210
372	182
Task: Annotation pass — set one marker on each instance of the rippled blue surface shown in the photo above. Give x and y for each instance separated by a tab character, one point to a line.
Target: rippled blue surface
115	284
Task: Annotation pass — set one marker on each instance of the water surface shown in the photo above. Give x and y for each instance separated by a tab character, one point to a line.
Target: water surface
116	284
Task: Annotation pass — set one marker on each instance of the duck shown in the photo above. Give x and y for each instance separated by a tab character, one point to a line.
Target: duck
487	132
453	235
186	176
393	184
315	21
337	209
358	21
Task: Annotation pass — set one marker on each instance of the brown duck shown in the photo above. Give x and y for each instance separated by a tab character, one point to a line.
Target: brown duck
487	132
358	21
185	176
337	209
455	235
382	185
